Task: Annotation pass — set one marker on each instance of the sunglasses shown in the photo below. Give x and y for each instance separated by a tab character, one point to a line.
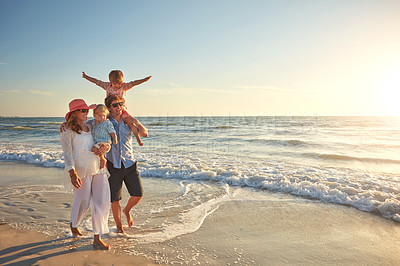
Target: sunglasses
83	110
115	105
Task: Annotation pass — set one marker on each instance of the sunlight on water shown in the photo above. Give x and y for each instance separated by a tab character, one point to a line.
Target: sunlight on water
344	160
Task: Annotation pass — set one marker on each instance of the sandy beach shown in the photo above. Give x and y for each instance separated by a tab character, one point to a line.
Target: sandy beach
23	247
245	227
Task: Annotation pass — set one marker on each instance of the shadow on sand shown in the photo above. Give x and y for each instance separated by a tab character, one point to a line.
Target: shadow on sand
29	254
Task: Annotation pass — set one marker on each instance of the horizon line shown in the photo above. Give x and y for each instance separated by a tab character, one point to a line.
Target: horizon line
229	115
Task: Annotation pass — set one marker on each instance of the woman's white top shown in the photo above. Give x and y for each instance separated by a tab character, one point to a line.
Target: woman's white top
78	155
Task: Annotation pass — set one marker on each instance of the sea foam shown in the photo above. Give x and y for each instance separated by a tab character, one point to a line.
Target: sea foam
343	160
367	192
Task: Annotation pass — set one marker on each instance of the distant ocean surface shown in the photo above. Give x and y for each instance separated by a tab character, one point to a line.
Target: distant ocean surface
353	161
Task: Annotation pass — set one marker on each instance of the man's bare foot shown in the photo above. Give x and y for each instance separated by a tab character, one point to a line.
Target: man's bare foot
99	244
102	162
120	231
75	231
128	217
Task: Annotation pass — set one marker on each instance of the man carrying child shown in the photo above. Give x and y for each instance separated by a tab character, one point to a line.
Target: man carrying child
121	162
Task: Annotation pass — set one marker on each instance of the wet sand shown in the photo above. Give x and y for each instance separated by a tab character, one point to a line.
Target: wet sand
247	227
22	247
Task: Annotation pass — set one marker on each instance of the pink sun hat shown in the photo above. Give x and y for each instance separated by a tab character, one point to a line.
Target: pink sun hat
78	104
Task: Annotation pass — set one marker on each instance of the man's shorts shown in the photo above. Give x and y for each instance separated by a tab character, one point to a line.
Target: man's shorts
130	176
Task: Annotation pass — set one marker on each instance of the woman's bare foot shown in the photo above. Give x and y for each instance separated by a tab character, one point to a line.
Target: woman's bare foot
128	217
99	244
75	230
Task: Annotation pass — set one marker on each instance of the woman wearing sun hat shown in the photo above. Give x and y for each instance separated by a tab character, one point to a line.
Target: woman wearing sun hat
82	166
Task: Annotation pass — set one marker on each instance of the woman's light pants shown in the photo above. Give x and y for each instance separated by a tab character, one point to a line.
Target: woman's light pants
95	191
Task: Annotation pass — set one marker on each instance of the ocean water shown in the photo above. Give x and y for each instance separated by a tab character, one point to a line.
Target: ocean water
190	166
351	161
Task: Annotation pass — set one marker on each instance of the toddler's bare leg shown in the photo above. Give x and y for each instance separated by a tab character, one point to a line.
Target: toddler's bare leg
103	161
136	133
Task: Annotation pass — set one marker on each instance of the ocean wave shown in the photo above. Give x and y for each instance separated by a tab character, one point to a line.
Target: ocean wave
261	141
161	124
376	193
22	128
367	193
224	127
51	123
199	125
278	142
37	157
291	142
338	157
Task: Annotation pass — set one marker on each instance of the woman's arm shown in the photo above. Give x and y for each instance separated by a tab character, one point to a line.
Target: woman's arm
66	145
75	179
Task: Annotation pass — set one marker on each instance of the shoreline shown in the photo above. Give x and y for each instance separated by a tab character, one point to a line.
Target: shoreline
289	236
240	226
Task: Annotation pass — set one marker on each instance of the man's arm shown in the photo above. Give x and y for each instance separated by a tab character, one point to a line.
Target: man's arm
63	127
93	80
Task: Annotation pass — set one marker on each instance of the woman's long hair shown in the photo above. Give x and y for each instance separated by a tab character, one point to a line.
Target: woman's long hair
73	122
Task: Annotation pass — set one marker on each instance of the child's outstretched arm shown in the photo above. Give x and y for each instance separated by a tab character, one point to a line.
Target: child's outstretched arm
140	81
93	80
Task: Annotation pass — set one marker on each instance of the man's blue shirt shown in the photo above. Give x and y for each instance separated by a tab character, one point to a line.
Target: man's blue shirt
122	151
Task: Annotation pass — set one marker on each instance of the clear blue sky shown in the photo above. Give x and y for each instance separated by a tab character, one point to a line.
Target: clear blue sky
339	57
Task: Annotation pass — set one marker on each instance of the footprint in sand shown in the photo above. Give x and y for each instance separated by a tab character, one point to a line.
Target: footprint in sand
34	195
66	205
43	201
30	210
37	216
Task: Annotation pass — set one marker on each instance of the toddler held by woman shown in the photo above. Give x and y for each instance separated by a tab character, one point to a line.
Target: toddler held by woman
103	130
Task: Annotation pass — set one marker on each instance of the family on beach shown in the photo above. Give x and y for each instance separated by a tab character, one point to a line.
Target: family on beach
98	157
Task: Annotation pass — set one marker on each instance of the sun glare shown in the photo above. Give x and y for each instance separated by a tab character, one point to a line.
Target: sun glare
389	92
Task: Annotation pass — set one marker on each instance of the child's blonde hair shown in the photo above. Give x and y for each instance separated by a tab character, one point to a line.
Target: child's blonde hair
101	108
116	76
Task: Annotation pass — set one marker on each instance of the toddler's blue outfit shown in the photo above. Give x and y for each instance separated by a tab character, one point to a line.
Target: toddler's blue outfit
102	131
